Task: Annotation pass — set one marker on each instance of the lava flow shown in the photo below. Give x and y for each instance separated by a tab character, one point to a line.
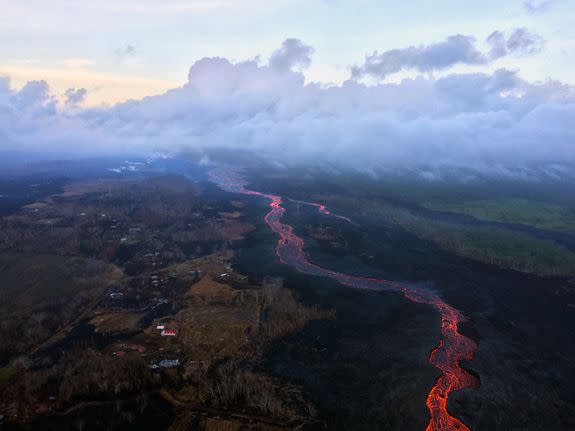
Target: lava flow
323	209
453	346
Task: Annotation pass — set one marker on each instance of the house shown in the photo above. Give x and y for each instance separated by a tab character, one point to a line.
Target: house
169	333
169	363
195	274
165	363
160	327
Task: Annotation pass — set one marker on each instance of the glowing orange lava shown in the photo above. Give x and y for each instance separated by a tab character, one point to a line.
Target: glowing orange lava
453	346
323	209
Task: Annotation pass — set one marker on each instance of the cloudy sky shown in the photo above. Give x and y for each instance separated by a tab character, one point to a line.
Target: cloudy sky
464	82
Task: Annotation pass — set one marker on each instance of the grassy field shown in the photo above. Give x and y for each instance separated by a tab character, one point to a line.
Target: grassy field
547	206
537	214
540	205
498	246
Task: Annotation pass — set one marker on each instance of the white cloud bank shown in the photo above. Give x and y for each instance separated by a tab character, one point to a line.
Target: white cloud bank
474	119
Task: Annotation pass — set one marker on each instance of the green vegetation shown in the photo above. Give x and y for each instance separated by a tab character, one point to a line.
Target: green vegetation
503	247
537	214
547	206
543	206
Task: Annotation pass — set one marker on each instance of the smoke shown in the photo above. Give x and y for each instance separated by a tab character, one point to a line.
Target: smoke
478	120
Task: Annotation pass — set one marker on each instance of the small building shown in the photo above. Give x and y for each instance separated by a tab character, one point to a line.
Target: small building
165	363
169	333
160	327
195	274
169	363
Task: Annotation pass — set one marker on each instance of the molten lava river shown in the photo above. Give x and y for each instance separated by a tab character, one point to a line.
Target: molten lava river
453	346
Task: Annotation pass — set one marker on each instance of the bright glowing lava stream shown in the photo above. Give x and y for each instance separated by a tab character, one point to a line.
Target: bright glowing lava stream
453	346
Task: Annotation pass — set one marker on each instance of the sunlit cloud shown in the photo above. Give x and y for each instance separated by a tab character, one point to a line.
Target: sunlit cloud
104	88
171	6
133	6
78	62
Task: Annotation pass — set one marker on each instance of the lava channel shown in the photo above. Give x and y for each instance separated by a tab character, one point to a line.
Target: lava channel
453	346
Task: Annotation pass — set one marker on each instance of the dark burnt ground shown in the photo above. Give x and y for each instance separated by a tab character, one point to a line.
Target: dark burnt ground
368	369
